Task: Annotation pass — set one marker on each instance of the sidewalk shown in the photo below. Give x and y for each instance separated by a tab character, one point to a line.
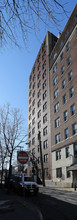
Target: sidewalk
15	207
60	188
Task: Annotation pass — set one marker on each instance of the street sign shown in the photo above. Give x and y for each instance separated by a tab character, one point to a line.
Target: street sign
22	157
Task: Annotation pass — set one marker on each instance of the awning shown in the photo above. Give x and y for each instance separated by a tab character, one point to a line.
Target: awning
72	167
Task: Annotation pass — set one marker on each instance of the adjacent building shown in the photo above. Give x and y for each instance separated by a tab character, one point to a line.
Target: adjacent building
39	106
52	105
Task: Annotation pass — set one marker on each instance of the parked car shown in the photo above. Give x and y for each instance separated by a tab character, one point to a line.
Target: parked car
28	186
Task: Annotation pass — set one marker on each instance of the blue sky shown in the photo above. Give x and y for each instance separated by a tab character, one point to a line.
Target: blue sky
16	66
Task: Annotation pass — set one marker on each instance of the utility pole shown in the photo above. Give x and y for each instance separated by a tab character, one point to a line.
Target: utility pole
42	168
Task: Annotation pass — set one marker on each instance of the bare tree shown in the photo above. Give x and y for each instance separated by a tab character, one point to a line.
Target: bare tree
11	131
3	155
18	17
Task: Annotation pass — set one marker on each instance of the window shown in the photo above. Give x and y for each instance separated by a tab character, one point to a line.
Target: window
33	85
29	125
33	141
76	16
29	116
33	93
30	85
46	172
67	152
73	109
74	129
45	106
39	93
39	83
45	118
58	172
55	55
44	64
55	81
66	133
33	69
75	150
45	144
67	46
39	124
45	158
57	122
39	66
63	84
39	74
56	108
61	56
33	151
29	134
29	143
57	138
33	130
71	92
58	155
39	173
33	77
44	84
43	47
70	76
39	113
65	116
56	92
61	44
44	74
62	70
38	148
45	131
38	57
33	112
39	103
68	61
30	93
44	55
39	160
29	100
44	94
64	99
66	34
68	174
54	68
33	121
30	108
33	103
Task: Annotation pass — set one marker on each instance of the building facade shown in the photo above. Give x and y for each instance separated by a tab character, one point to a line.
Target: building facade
63	96
39	106
52	105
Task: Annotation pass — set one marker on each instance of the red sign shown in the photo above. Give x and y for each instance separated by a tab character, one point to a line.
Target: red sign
22	157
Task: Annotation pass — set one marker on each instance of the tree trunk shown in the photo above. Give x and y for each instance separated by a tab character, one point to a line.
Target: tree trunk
2	173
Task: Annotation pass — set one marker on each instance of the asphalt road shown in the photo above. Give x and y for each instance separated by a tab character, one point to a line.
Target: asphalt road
49	204
56	204
15	207
63	195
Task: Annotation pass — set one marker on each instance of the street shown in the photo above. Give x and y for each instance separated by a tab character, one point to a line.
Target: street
67	196
49	204
56	204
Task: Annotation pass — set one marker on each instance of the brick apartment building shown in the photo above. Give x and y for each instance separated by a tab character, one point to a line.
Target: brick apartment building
52	105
